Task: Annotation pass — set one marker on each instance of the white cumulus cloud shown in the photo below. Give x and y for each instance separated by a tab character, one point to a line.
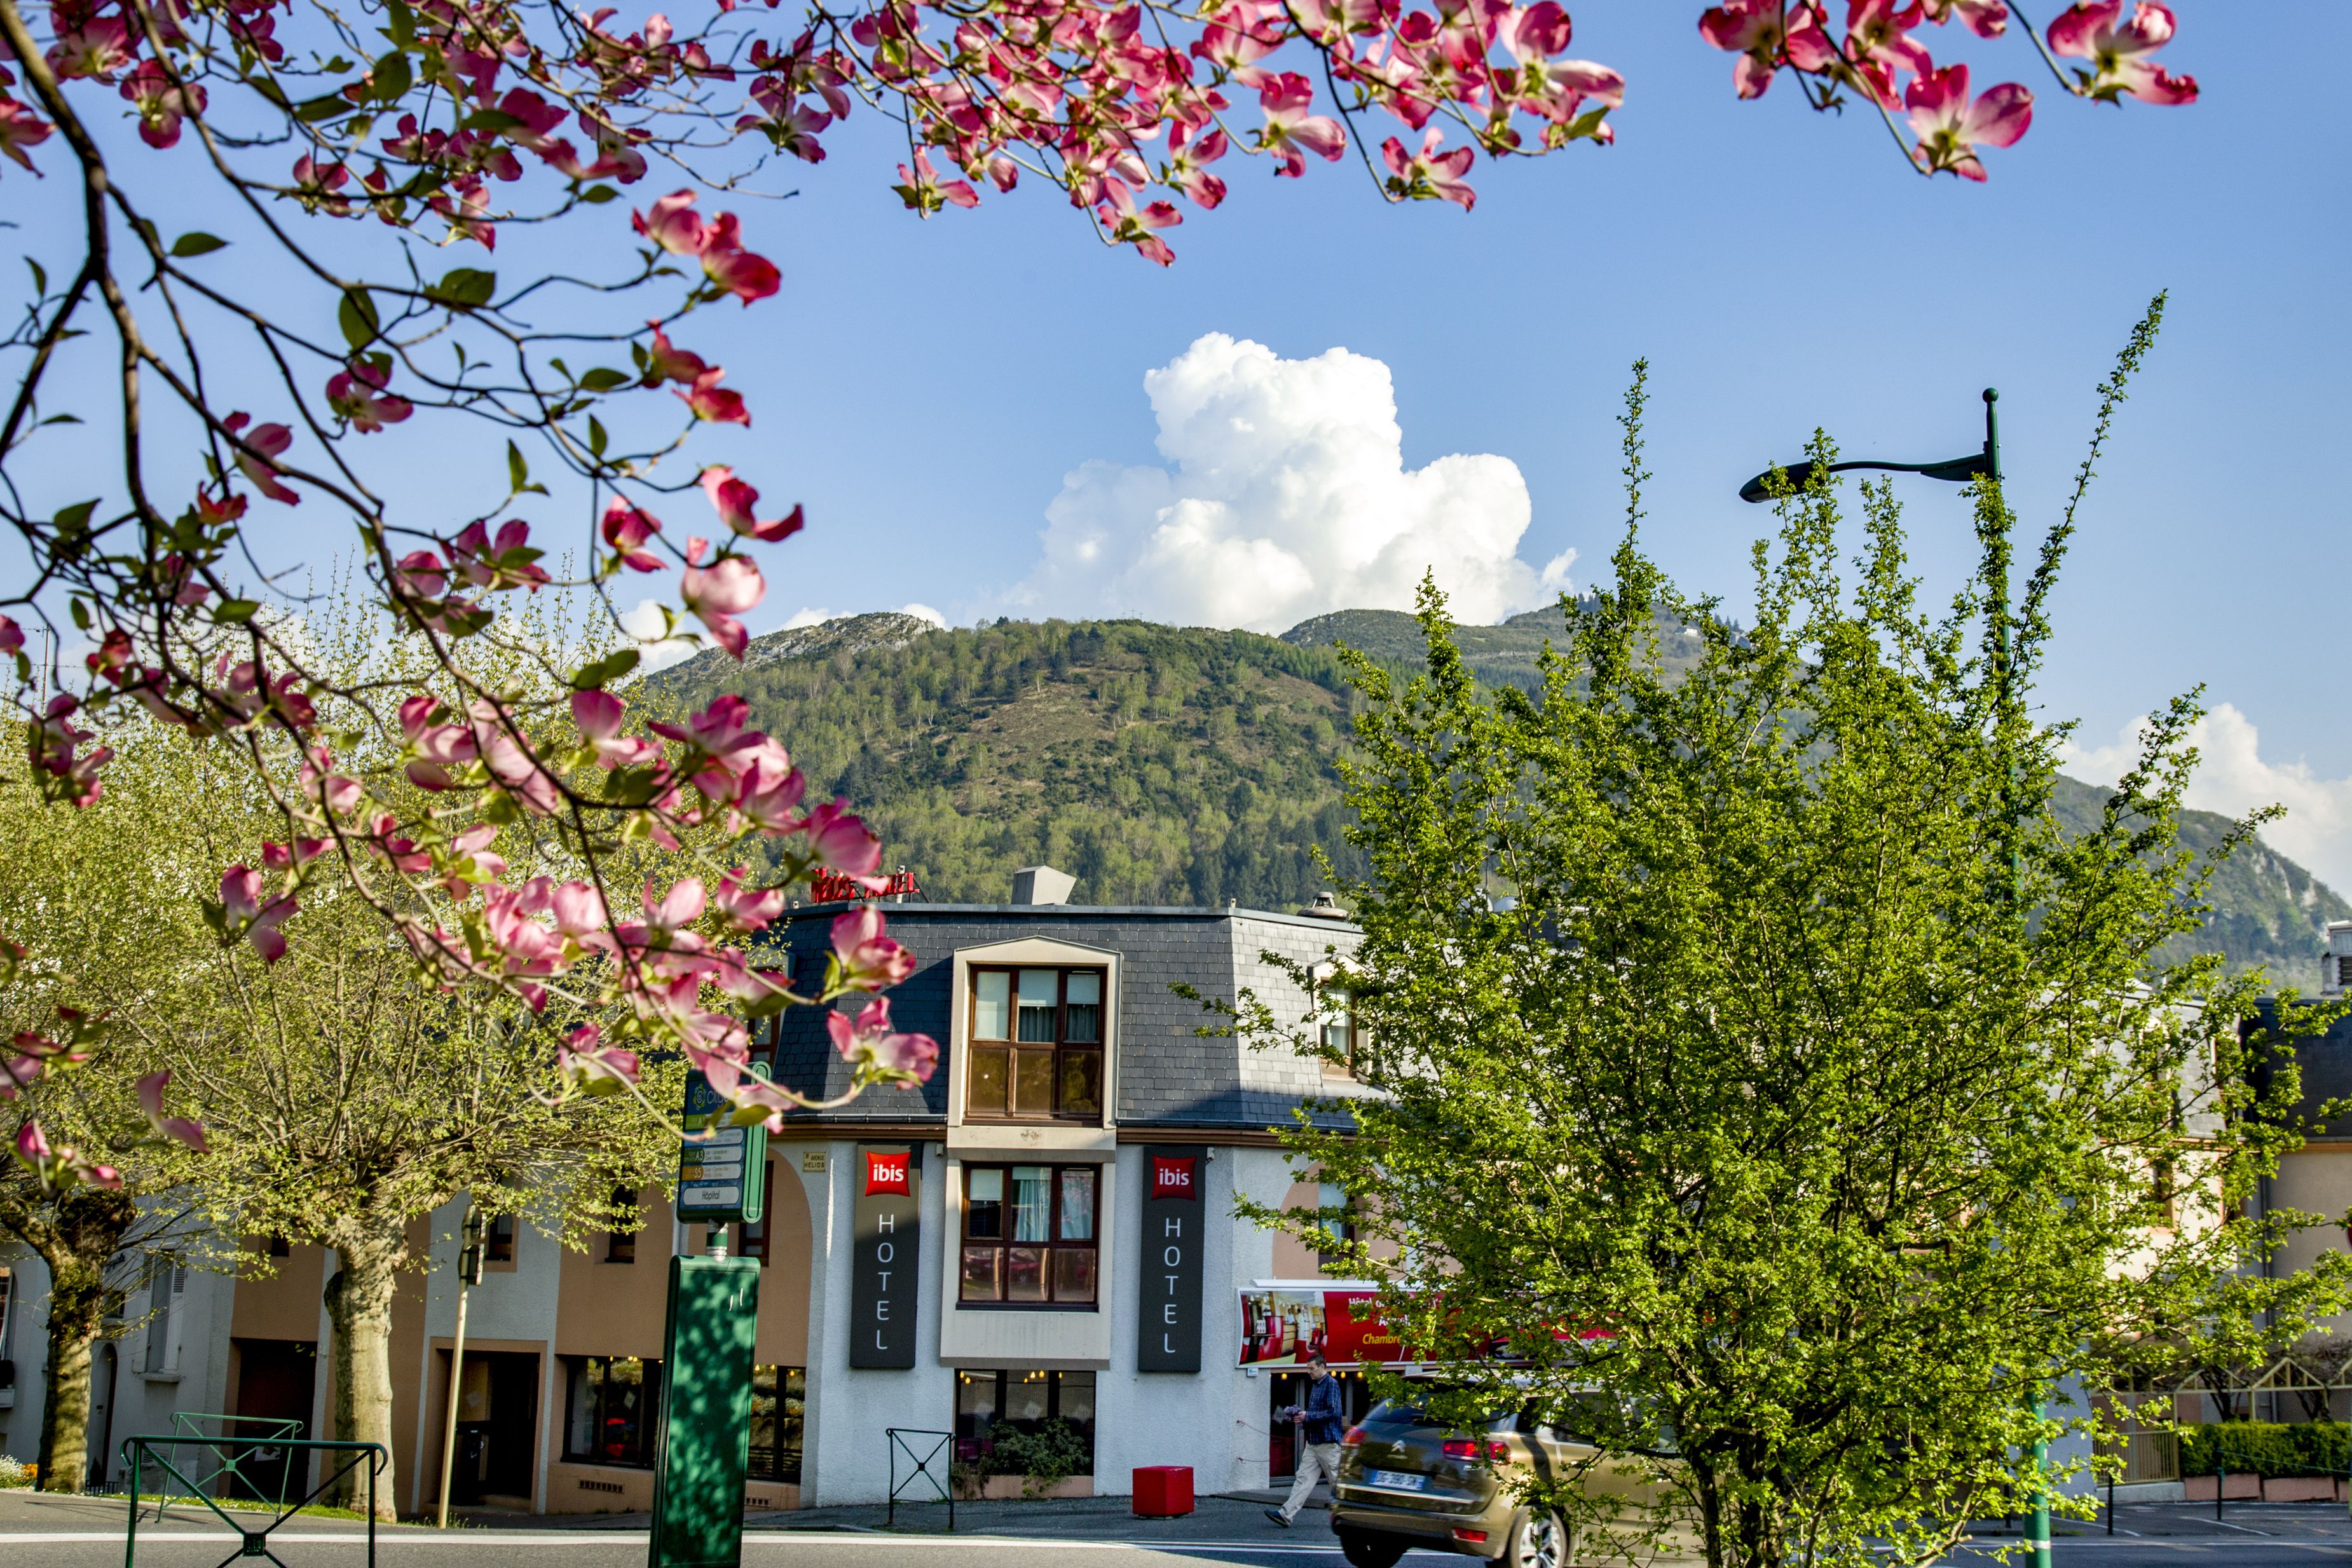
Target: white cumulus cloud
2231	776
1286	495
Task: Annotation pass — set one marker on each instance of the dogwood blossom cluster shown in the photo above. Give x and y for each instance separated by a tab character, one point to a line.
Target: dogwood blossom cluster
423	129
1879	55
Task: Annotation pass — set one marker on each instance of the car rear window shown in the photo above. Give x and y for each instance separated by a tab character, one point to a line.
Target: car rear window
1398	1412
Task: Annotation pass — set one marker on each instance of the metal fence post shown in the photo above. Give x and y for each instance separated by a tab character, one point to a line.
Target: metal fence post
2220	1479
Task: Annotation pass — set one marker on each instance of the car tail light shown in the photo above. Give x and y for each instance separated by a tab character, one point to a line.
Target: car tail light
1471	1537
1355	1437
1460	1448
1499	1451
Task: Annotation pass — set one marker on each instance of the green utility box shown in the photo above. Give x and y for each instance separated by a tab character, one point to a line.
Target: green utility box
706	1419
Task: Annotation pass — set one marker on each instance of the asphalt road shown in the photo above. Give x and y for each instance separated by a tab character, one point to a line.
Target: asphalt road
87	1534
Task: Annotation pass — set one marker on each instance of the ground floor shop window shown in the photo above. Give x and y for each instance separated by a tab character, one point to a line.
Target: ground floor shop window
778	1400
610	1410
1013	1422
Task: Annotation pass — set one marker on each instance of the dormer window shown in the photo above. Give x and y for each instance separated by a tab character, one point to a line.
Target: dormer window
1037	1045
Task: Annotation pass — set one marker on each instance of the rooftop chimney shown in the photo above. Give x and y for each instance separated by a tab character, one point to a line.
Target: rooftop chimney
1326	907
1042	885
2335	969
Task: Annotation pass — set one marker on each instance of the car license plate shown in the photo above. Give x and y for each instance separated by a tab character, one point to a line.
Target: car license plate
1399	1480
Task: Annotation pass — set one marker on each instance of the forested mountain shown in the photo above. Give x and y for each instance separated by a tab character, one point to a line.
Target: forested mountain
1167	764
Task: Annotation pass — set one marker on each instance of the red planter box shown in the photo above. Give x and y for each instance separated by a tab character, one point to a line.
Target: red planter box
1163	1492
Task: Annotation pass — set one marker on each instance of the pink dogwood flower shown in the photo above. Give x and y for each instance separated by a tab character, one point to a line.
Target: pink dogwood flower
1985	18
1187	159
923	191
667	363
1878	44
162	106
871	1042
592	1067
98	48
744	274
245	914
178	1128
598	717
838	839
1289	127
255	452
673	224
1429	172
12	638
735	501
870	961
20	127
712	401
357	394
2119	55
745	908
1128	224
719	592
1767	34
1951	126
627	530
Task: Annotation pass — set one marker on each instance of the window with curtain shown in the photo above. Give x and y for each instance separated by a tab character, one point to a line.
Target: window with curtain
1029	1236
1336	1014
1037	1050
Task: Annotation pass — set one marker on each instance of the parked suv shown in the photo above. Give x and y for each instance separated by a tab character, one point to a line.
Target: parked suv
1408	1483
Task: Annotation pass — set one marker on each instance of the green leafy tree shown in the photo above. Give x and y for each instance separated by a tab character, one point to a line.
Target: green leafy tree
1819	1099
81	890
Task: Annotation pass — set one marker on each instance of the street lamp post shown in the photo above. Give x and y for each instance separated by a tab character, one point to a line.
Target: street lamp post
1983	465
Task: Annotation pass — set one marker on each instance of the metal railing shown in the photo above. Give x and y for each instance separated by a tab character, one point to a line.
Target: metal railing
138	1451
942	1481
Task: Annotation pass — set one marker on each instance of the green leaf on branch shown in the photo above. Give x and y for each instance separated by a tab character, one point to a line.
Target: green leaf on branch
596	195
391	79
358	317
40	277
596	436
518	474
602	672
491	122
463	288
74	519
80	613
312	111
602	379
195	242
235	610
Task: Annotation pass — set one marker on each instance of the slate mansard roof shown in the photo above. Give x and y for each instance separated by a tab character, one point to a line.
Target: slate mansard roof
1169	1076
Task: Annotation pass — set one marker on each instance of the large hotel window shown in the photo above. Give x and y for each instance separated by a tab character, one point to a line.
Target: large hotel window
1029	1235
779	1399
1037	1044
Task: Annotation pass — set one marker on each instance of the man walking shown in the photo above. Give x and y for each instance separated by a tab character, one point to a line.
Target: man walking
1320	1422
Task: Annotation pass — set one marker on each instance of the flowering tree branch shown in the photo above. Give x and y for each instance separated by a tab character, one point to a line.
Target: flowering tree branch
354	144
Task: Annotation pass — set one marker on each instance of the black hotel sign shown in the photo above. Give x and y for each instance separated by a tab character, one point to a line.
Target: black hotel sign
1168	1331
883	1275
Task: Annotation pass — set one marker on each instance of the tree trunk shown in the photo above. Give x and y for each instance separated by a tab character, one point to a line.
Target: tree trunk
74	1310
77	1244
359	1304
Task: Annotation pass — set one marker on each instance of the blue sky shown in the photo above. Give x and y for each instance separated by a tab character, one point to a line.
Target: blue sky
925	387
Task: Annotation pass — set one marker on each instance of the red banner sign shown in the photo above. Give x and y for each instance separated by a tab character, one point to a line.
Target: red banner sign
886	1174
1285	1327
1172	1177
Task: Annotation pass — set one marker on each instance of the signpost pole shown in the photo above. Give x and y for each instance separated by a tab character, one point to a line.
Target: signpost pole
469	1274
703	1446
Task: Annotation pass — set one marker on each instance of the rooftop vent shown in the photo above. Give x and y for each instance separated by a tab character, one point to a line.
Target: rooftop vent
1042	885
2335	967
1326	907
